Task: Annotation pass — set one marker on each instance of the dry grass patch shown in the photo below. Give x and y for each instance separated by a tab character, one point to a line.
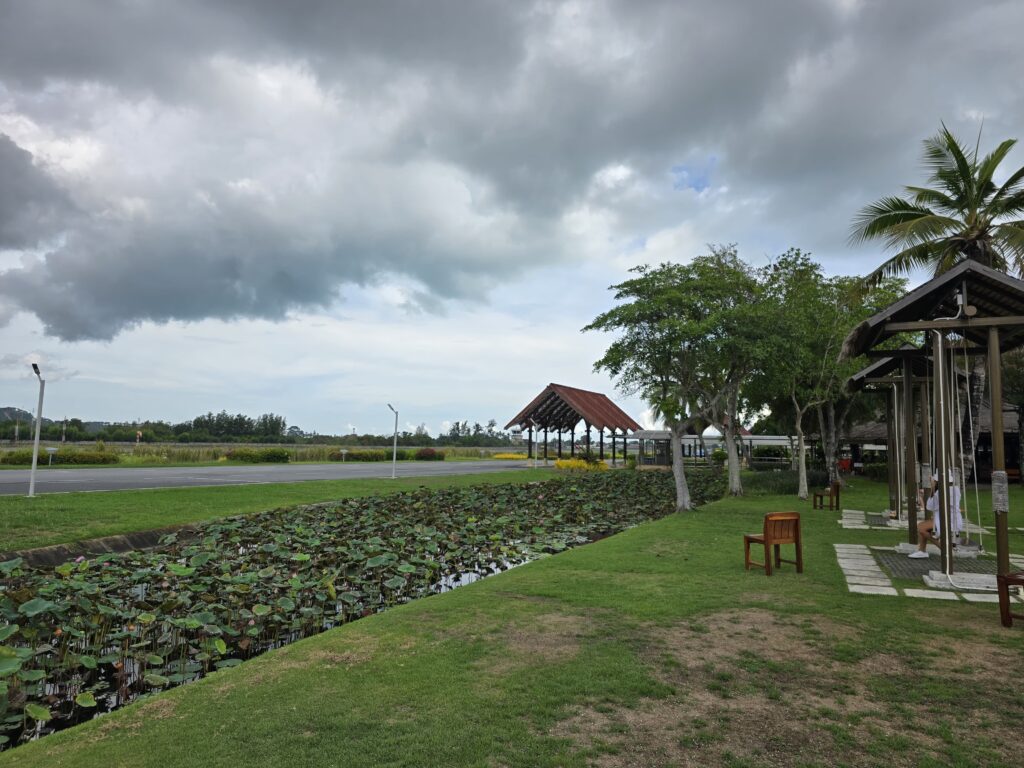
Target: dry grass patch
754	688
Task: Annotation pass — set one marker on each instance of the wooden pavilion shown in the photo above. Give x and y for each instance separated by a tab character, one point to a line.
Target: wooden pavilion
560	409
968	311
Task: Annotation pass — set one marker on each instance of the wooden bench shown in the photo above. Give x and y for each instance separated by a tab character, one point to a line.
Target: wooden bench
779	528
831	493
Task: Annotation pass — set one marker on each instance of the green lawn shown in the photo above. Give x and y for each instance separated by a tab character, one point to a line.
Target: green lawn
653	647
59	518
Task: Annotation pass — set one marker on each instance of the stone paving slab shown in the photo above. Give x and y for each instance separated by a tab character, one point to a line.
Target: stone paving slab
931	594
980	597
865	589
875	581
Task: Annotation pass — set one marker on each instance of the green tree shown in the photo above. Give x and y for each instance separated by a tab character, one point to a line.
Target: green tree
689	335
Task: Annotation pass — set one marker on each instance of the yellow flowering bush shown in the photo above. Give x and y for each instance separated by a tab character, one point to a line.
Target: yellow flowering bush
579	465
509	456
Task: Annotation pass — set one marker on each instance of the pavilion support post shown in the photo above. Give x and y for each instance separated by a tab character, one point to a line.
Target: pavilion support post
943	449
1000	489
926	434
529	442
545	444
909	457
613	447
587	425
600	443
890	449
559	442
572	441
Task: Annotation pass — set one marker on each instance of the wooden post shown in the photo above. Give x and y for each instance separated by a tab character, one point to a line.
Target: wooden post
909	457
529	443
572	441
587	425
600	444
559	442
613	446
545	443
943	447
890	449
1000	488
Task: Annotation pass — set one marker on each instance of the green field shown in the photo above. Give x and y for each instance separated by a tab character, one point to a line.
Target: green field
652	647
60	518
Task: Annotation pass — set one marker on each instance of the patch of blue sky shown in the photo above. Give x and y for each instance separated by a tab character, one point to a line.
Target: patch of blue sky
693	176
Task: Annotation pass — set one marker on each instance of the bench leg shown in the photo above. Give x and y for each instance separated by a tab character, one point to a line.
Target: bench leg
767	559
1005	616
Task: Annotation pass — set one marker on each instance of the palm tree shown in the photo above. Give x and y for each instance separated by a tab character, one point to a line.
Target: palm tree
962	215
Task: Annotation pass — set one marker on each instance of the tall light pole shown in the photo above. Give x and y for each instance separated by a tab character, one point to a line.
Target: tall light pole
394	449
39	424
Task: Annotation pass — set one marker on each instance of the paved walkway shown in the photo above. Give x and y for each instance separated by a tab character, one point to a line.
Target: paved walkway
865	576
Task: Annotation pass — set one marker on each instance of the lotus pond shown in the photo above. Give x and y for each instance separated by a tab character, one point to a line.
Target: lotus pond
91	635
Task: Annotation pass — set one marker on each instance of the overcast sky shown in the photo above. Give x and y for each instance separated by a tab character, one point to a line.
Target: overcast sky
315	208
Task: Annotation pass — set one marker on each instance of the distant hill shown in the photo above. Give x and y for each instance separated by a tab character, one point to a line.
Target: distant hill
10	413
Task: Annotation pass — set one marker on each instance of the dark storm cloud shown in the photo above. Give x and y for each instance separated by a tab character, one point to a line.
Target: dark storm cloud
256	157
31	204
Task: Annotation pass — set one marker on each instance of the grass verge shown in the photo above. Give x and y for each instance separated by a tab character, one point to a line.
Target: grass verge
653	647
66	517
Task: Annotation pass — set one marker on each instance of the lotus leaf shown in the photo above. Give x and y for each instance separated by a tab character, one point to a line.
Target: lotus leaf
7	630
85	699
35	607
156	681
38	713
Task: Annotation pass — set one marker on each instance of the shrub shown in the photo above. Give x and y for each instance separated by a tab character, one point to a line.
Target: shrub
782	483
876	471
23	457
580	465
259	455
631	462
770	452
509	456
428	454
719	455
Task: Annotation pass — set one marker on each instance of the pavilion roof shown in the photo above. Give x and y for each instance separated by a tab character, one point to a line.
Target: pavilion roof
560	407
994	293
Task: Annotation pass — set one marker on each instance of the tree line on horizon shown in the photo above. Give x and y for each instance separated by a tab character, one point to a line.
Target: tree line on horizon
224	427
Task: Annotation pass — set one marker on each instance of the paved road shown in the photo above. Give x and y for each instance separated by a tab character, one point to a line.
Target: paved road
15	481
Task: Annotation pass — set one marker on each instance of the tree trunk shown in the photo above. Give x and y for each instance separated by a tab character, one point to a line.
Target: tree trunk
801	457
829	439
683	502
735	486
792	453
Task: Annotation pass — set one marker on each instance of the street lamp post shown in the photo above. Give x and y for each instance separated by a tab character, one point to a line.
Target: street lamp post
39	424
394	449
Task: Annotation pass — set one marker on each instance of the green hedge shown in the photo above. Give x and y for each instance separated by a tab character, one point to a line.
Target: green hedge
23	457
428	454
876	472
259	455
784	482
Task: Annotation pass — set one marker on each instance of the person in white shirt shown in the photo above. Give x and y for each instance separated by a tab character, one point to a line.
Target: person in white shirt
930	529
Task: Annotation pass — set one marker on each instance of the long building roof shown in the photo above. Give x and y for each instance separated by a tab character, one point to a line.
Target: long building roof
560	407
